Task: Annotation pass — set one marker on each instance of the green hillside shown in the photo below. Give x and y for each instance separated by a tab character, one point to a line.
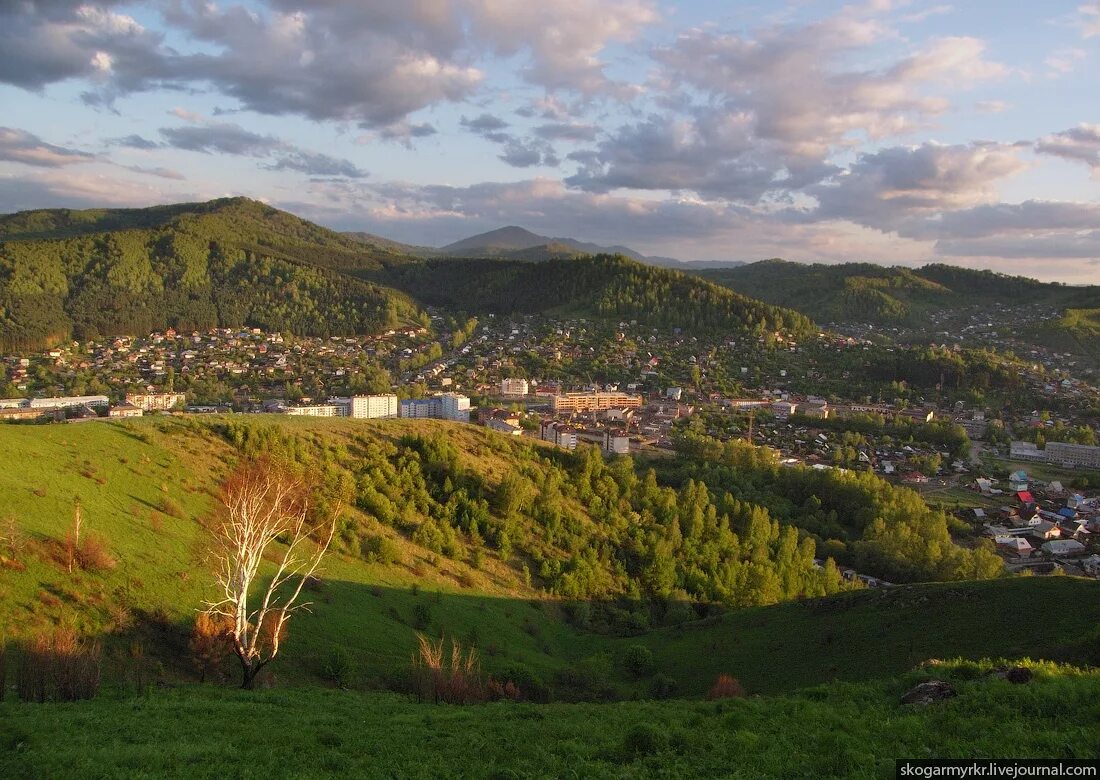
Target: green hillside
864	292
607	286
552	583
84	274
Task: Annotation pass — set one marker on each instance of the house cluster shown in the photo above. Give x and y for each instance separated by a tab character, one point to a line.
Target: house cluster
1042	525
250	361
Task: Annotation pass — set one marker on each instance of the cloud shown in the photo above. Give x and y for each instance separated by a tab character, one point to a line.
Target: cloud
23	147
1088	19
46	41
566	131
798	88
1063	61
163	173
316	164
220	137
229	138
890	188
488	126
133	141
563	38
1078	144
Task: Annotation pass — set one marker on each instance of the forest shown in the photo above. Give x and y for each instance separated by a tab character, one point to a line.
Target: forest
79	275
600	286
721	524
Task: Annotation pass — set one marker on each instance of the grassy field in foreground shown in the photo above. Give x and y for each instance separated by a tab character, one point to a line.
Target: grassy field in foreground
837	730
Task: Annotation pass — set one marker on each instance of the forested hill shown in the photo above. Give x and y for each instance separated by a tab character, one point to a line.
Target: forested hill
230	262
605	286
235	262
864	292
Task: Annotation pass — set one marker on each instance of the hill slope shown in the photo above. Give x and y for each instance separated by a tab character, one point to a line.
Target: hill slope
864	292
230	262
143	484
605	286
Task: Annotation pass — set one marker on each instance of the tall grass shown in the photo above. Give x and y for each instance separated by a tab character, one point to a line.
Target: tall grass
58	666
444	677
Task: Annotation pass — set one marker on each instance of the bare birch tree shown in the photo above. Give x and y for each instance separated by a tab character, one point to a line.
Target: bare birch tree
265	512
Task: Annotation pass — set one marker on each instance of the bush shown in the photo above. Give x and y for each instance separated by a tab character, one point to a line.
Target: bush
662	687
638	661
338	667
379	549
725	687
92	554
422	615
644	739
58	667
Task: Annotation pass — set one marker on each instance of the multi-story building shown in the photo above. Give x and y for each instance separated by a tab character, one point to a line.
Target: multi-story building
448	406
311	410
125	410
558	433
616	443
593	402
69	402
367	407
1073	455
455	407
420	408
514	387
156	402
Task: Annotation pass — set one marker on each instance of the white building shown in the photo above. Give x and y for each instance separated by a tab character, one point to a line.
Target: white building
311	410
68	402
1073	455
156	402
503	426
367	407
514	387
448	406
616	443
455	407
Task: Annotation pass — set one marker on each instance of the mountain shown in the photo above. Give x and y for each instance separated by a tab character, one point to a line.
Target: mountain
230	262
600	286
517	243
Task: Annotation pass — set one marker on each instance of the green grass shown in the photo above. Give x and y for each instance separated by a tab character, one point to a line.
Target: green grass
838	730
123	471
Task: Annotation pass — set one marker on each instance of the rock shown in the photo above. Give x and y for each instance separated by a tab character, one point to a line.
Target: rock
929	692
1017	675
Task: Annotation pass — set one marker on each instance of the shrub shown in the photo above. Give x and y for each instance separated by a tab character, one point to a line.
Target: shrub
58	667
379	549
338	667
170	507
638	661
92	554
662	687
725	687
644	739
209	644
422	615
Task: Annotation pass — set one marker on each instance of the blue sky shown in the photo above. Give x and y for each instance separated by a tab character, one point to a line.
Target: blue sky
889	131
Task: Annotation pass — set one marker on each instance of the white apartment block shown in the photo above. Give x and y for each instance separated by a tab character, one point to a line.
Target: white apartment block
155	402
68	402
514	387
455	407
367	407
312	410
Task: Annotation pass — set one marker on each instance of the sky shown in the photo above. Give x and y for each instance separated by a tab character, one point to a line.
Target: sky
890	131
